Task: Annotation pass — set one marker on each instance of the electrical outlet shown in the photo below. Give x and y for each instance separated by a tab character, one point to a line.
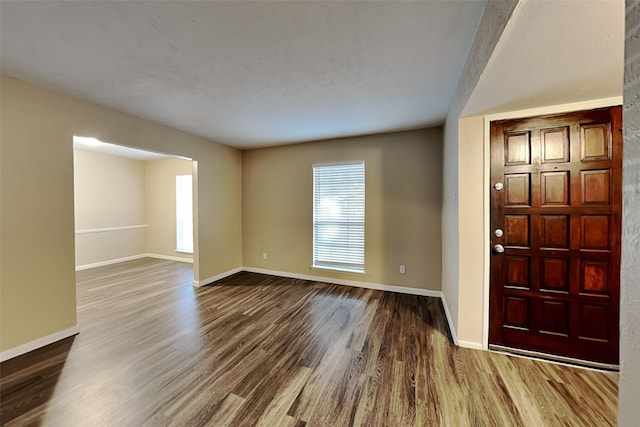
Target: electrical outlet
403	269
264	255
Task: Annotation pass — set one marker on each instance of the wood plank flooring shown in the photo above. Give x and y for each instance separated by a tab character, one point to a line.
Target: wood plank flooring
269	351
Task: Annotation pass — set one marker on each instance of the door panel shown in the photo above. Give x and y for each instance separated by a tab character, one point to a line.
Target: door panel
555	287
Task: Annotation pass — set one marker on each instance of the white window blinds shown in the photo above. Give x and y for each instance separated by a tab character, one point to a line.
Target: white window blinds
338	216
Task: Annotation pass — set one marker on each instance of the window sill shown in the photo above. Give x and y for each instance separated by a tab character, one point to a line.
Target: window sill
180	251
337	270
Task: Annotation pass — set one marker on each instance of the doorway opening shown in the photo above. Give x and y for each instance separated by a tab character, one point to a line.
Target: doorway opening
131	204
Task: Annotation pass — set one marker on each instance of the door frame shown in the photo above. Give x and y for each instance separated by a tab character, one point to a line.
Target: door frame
486	234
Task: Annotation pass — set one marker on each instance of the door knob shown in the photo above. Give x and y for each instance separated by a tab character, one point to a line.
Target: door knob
498	232
498	249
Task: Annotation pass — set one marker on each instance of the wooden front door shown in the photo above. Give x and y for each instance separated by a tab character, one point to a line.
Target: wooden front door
556	201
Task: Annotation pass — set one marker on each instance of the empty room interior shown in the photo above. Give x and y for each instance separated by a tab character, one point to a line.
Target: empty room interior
352	213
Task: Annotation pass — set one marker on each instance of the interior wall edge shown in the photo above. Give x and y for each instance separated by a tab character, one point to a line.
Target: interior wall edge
494	22
447	312
629	386
169	258
209	280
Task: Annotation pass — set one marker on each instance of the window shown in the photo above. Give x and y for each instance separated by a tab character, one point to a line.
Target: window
184	214
338	217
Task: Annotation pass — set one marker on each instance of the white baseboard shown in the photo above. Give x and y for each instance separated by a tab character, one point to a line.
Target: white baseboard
460	343
366	285
169	258
471	344
208	280
109	262
36	344
449	320
131	258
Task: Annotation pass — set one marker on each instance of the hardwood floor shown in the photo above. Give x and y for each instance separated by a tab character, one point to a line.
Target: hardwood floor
270	351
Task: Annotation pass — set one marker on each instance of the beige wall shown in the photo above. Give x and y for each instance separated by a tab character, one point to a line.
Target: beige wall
403	206
471	228
161	205
37	278
37	249
109	191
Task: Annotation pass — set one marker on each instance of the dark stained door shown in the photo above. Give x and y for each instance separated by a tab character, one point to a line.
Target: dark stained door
555	287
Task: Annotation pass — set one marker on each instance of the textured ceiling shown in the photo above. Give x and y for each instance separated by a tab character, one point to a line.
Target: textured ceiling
248	73
554	52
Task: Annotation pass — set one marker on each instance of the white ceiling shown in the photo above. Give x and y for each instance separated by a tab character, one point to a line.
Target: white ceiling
248	73
551	53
